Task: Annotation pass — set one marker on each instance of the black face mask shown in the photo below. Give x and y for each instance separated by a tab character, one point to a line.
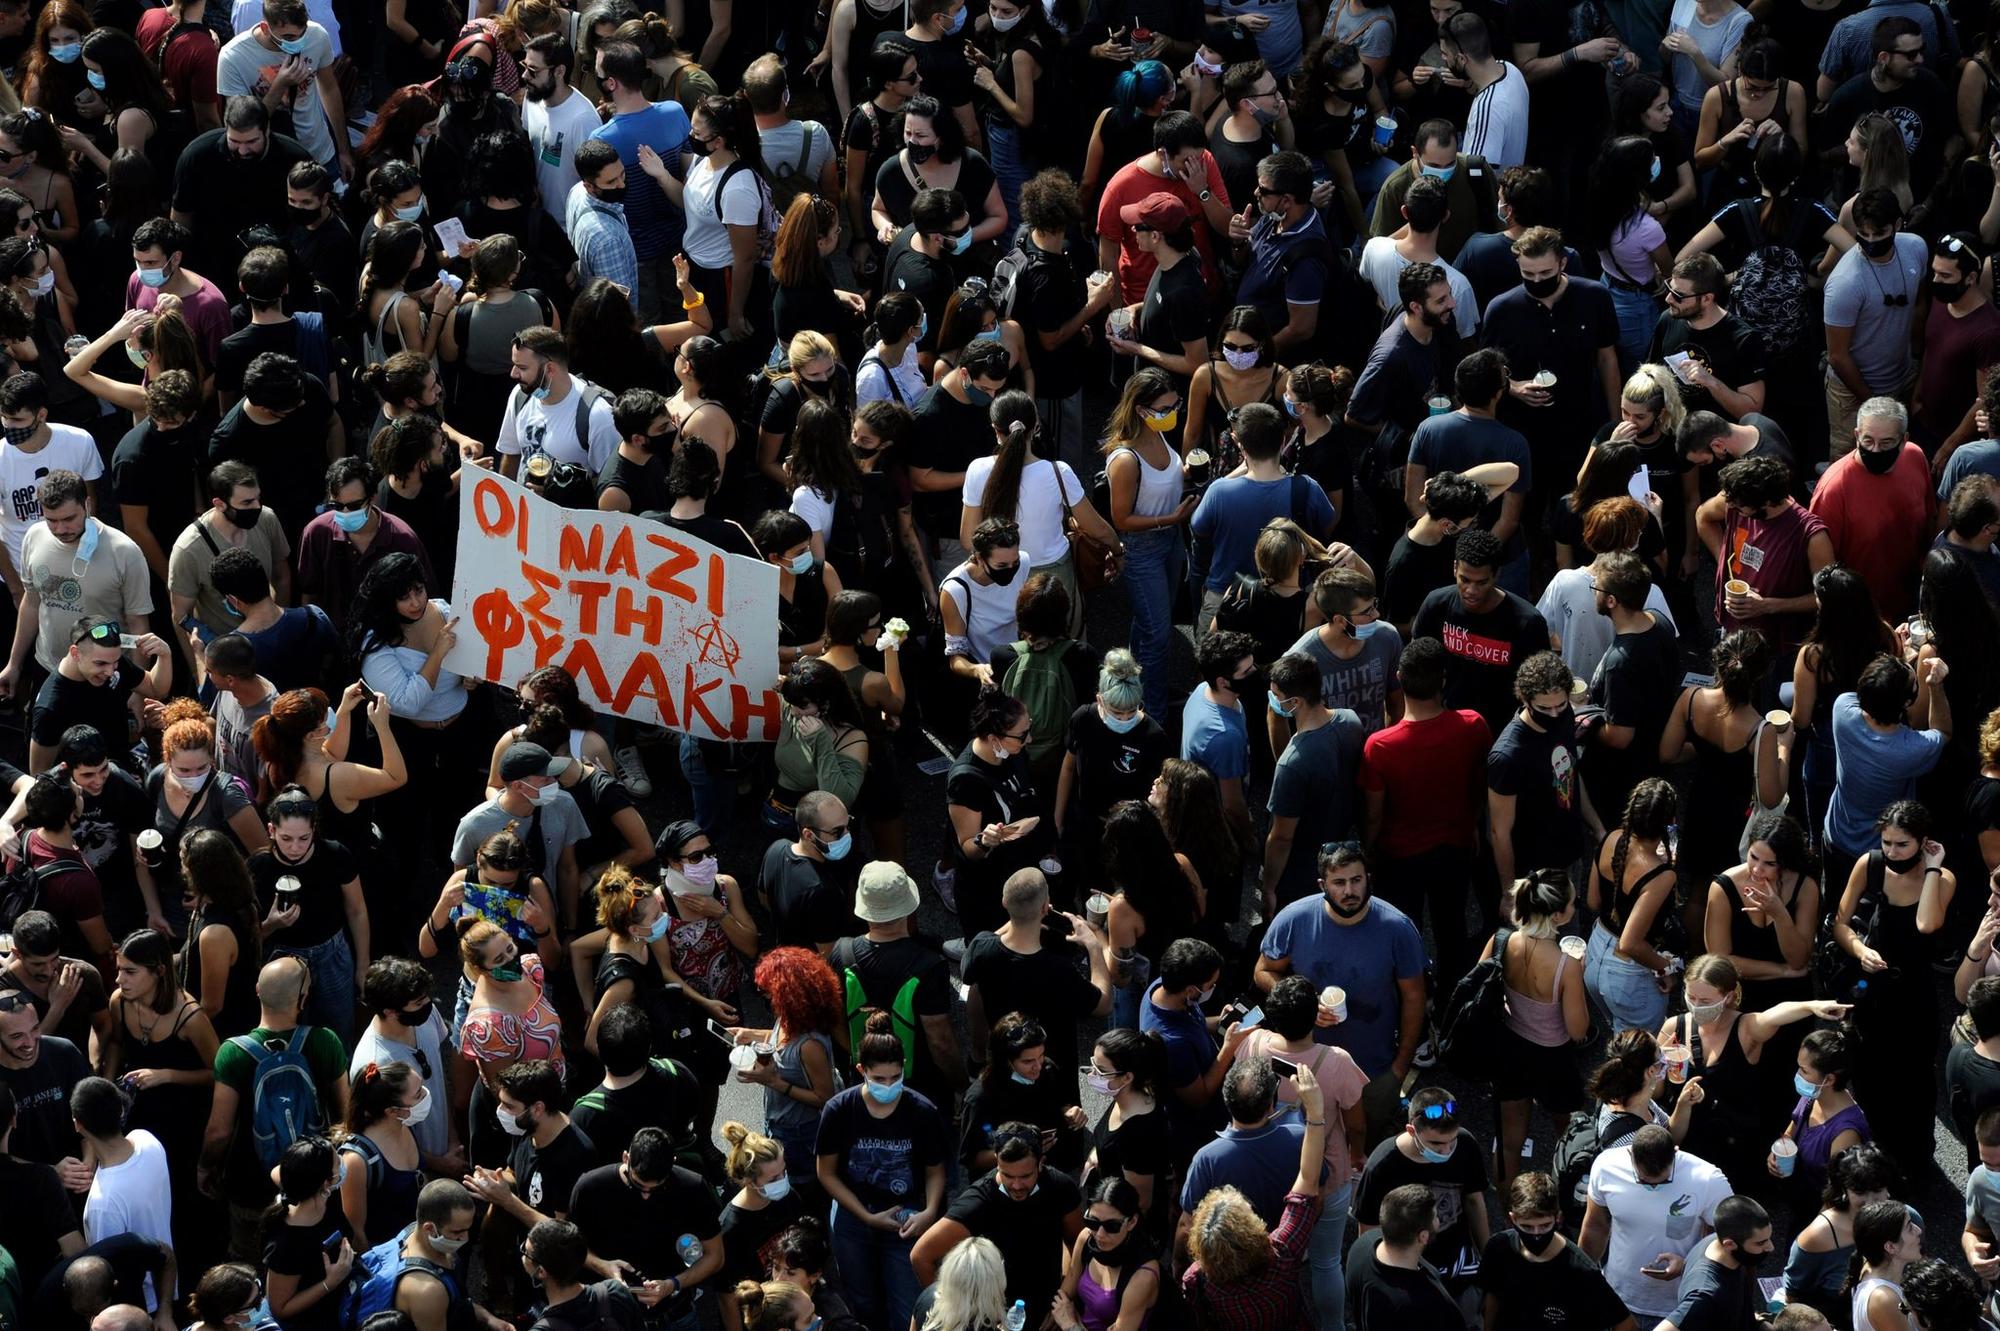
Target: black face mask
1542	287
1875	249
1948	292
920	153
1121	1255
1879	461
1557	722
1249	686
1537	1243
1905	865
246	518
417	1018
1002	574
303	216
611	195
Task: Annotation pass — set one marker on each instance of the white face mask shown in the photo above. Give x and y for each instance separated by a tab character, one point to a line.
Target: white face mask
419	1111
509	1124
192	782
777	1189
446	1247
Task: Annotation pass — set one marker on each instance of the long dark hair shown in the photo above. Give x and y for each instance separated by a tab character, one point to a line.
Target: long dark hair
1015	419
1618	188
821	456
1649	810
1628	106
1605	475
1139	859
129	78
731	118
1964	628
1847	630
372	619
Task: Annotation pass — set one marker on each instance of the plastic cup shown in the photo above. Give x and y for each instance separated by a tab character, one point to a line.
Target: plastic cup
1546	379
288	889
1786	1152
764	1050
150	844
77	345
743	1057
1050	866
1440	405
1736	587
1574	947
539	466
1385	129
1334	999
1097	909
1676	1056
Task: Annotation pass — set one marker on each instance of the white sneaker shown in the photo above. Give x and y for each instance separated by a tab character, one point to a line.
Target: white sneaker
954	950
632	771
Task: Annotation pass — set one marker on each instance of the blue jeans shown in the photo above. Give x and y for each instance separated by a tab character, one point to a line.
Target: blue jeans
1125	1006
702	787
1625	990
1637	313
330	1000
1325	1285
1155	563
875	1265
1007	154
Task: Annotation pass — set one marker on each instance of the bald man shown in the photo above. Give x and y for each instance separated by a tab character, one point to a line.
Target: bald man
122	1317
124	1271
230	1165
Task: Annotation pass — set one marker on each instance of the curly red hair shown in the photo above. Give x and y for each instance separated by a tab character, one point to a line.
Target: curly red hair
802	989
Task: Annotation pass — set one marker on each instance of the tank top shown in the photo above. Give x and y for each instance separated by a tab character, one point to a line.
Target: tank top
786	1117
1760	943
1737	177
1532	1019
1159	488
1622	902
1220	406
1097	1305
803	618
1868	1285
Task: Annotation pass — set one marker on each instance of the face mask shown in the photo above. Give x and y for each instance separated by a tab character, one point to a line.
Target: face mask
445	1247
1241	360
508	973
1810	1090
421	1110
1875	249
1703	1013
1162	423
611	195
957	23
919	153
153	277
1434	1157
193	783
303	216
777	1189
1278	704
1541	288
976	395
246	518
1120	725
1002	24
1879	461
18	434
417	1018
987	335
351	522
961	243
1948	292
1656	168
884	1095
659	929
1904	865
1559	722
1264	115
1201	999
1363	632
1292	407
700	872
1002	575
1098	1082
1020	1080
68	53
837	850
1208	70
94	79
547	794
1247	686
412	212
292	45
923	327
1441	174
47	283
1537	1243
801	565
136	356
509	1123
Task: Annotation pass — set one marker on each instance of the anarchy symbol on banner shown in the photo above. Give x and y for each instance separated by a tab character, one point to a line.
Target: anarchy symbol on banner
716	645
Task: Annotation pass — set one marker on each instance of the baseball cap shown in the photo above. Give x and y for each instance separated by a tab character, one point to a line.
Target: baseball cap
523	760
1161	211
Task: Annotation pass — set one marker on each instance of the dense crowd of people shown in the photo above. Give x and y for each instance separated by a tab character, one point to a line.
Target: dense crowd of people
1567	434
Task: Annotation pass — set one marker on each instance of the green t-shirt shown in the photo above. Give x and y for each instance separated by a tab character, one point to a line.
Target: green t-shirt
245	1181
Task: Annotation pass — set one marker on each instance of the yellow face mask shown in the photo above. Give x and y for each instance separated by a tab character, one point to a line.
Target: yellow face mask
1161	423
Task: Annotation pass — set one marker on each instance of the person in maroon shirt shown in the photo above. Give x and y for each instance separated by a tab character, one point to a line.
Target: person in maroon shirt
1762	537
1878	506
1423	780
1961	341
338	547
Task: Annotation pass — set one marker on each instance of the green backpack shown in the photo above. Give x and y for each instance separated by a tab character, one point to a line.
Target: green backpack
1042	682
687	1146
903	1009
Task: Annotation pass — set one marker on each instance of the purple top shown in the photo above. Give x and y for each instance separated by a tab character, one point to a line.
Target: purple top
1096	1306
1816	1139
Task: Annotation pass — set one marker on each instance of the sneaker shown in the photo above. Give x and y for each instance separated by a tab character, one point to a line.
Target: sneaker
954	950
1426	1055
632	771
946	883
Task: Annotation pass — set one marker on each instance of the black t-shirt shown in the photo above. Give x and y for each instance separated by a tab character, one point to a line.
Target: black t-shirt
1238	161
1729	347
308	346
1115	767
1141	1144
946	73
1379	1295
64	702
223	194
1568	1290
930	280
884	1161
883	969
322	908
1714	1297
38	1213
1636	684
999	793
1485	649
289	454
1325	459
1402	374
724	535
1176	308
1538	768
300	1251
155	470
432	514
1972	1086
296	651
545	1176
600	796
661	1098
1413	573
1046	985
43	1129
1573	102
811	900
644	483
1921	110
1029	1233
745	1232
132	1259
1451	1183
605	1306
945	435
1044	1102
1047	295
620	1225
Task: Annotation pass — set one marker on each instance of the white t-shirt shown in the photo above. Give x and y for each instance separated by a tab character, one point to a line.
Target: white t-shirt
1496	127
706	241
1647	1221
113	583
815	508
68	449
1038	509
872	380
990	621
550	427
249	13
1570	607
555	131
133	1198
1382	264
433	1041
247	66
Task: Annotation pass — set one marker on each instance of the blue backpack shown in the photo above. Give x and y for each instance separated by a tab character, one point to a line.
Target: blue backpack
372	1285
284	1097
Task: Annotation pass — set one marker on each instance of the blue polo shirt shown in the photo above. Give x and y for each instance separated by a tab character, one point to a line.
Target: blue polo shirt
1214	736
1261	1163
1266	283
655	223
1365	959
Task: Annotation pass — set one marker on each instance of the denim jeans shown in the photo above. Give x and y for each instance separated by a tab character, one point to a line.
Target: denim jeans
1125	1006
1637	313
1007	154
875	1265
702	788
330	1000
1625	990
1325	1284
1155	563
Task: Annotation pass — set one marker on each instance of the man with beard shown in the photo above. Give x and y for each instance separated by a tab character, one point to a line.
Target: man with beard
1412	361
1538	810
71	567
553	413
556	117
232	178
1345	940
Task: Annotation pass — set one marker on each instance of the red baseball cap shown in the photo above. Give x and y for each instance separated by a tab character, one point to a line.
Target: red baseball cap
1161	211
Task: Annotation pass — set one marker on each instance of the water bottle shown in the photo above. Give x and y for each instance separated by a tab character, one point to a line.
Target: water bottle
689	1247
1017	1316
1859	993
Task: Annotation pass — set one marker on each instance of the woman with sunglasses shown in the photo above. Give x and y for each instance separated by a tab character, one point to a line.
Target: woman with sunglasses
500	888
1150	500
27	222
382	1165
991	801
228	1298
319	879
309	1246
1241	367
33	161
1111	1278
1021	1084
1131	1139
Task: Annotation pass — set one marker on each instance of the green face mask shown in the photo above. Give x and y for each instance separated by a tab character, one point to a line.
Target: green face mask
509	972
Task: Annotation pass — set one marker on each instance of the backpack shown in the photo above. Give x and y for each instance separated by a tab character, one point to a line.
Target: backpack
903	1009
767	215
1005	287
1468	1029
787	180
687	1146
1769	290
21	887
284	1097
371	1287
1043	683
569	485
1578	1148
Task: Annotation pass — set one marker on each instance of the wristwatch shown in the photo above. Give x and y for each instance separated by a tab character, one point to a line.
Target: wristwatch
1205	195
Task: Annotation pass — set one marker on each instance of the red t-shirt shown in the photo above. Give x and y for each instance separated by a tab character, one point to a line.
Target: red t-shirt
71	897
1770	555
1881	525
1134	182
1957	353
1427	773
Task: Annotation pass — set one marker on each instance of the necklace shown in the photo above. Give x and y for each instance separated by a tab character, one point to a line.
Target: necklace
1902	297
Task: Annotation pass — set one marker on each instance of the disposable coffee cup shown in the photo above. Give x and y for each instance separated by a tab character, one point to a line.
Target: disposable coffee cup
743	1057
1050	866
1786	1152
1579	689
1574	947
288	889
1736	587
1778	717
150	844
1385	129
1334	999
1676	1057
1097	909
1546	379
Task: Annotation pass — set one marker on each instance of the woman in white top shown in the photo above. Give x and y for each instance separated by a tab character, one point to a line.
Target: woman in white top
1150	501
1700	52
1887	1238
889	370
724	201
1034	492
976	600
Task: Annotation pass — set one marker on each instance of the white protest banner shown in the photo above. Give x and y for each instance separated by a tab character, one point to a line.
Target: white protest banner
655	624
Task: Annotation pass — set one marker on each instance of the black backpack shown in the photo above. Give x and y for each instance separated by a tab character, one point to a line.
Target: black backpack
1005	288
21	887
1468	1028
1578	1148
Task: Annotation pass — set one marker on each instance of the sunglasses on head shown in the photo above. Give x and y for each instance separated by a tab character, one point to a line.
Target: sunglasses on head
297	806
14	1000
105	633
1436	1112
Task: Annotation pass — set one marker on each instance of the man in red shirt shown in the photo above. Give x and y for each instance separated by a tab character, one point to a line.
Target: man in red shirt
1181	165
1423	779
176	39
1763	538
1878	506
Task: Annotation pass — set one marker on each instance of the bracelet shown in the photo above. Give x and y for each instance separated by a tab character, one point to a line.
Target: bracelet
700	299
1977	961
1315	1122
1930	869
1569	57
544	933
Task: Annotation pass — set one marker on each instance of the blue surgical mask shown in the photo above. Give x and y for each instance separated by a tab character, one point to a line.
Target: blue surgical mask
959	22
133	354
1433	1157
837	850
1656	168
86	545
1278	704
961	243
803	564
292	46
411	213
1024	1081
987	335
68	53
923	326
884	1095
1810	1090
659	929
1118	725
153	277
1292	407
94	79
1441	173
1364	631
351	522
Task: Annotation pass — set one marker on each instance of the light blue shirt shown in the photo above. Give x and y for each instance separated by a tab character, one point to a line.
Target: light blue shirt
1872	771
1214	736
598	234
1365	959
393	673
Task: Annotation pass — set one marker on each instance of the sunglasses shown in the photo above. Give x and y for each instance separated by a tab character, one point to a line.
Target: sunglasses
1093	1224
295	807
14	1000
106	633
1433	1113
1141	226
347	506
